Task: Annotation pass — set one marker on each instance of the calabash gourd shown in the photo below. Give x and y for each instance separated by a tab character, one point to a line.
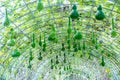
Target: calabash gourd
31	57
96	44
39	5
69	30
57	61
99	15
40	41
15	53
74	13
29	66
52	35
40	56
6	19
12	33
63	48
78	36
33	41
103	62
10	42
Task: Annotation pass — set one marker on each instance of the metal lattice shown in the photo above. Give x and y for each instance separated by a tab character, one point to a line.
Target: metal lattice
25	20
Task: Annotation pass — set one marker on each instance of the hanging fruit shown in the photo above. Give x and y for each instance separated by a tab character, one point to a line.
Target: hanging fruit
69	30
52	35
44	44
31	57
39	5
74	13
78	36
39	56
57	61
113	32
51	64
12	33
29	66
10	42
103	62
63	48
6	19
33	41
96	44
15	53
40	41
99	15
64	58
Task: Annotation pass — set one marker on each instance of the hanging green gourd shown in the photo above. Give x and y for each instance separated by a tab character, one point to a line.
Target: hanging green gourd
64	58
57	61
15	53
96	44
44	44
31	57
33	41
84	45
99	15
74	13
39	5
69	30
51	64
29	65
113	32
93	38
40	41
78	36
40	56
103	62
12	33
63	47
10	42
6	19
52	35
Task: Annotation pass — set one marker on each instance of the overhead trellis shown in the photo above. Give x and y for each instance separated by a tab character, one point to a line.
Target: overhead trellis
60	39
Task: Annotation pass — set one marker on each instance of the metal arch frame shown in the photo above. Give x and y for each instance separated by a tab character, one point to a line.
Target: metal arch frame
54	19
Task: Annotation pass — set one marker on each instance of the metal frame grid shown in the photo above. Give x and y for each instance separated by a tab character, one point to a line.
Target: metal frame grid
54	19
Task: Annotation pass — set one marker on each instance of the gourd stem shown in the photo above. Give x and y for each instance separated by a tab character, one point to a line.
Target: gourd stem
53	28
6	13
69	22
33	37
112	24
